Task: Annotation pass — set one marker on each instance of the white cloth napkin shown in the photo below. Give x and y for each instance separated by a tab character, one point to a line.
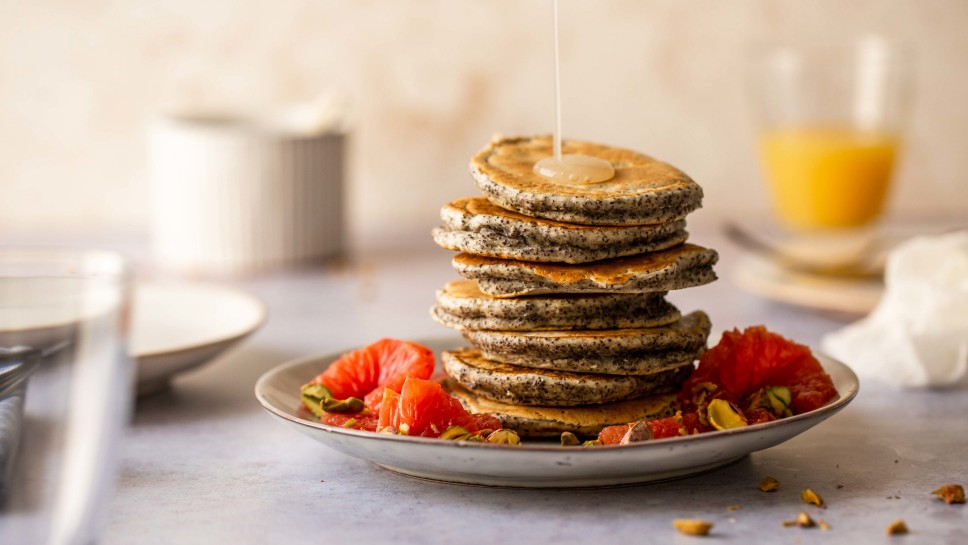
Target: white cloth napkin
917	336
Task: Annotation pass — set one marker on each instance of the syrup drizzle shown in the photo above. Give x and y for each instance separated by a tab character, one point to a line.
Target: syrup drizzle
571	169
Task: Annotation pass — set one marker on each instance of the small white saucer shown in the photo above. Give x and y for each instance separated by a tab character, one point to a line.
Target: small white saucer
177	327
842	297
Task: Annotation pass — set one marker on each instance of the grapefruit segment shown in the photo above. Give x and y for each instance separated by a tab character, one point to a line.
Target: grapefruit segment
747	361
366	422
423	408
671	426
363	373
742	365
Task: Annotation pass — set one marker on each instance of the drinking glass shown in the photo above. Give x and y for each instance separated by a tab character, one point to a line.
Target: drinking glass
830	122
66	387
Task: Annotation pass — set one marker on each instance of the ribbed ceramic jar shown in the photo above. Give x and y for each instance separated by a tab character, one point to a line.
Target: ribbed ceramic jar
235	197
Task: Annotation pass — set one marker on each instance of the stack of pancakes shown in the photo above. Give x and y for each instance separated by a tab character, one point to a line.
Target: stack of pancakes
563	299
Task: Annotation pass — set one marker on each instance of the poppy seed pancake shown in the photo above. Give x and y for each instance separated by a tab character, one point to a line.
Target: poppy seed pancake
643	190
586	420
608	351
682	266
519	385
461	305
477	226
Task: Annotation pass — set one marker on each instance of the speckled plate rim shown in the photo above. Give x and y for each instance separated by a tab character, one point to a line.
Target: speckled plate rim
729	444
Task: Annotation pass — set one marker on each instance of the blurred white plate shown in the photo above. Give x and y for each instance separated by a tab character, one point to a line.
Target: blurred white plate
844	298
537	464
177	327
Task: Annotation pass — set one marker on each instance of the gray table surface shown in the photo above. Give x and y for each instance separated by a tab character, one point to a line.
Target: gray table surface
203	463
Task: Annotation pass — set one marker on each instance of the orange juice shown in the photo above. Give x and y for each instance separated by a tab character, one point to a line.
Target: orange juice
823	177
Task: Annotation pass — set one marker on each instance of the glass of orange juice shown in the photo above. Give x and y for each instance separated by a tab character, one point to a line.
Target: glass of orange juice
830	122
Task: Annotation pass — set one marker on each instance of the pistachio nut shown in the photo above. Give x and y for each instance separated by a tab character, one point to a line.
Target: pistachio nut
897	527
702	390
455	433
951	493
592	443
638	432
702	412
775	399
692	527
723	415
504	437
312	395
811	497
351	405
804	520
769	484
569	439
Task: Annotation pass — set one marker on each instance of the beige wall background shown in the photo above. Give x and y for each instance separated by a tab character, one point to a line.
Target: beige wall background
429	82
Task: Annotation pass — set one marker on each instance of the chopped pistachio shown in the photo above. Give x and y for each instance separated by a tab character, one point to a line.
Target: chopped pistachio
351	423
811	497
504	437
390	429
804	521
569	439
701	391
455	433
897	528
775	399
640	431
951	493
769	484
780	398
823	525
350	405
592	443
312	395
702	412
723	415
693	527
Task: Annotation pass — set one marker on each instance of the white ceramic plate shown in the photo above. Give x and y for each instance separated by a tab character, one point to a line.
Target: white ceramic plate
538	464
177	327
845	298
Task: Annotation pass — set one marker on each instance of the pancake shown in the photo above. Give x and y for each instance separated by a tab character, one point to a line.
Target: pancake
461	305
585	420
643	190
682	266
607	351
477	226
519	385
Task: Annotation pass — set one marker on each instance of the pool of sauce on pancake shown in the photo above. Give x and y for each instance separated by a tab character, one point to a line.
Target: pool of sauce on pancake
572	169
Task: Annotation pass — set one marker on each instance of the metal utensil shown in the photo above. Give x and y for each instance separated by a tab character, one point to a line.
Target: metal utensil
16	364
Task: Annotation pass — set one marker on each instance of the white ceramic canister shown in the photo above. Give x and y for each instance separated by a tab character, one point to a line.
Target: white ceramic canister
236	195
